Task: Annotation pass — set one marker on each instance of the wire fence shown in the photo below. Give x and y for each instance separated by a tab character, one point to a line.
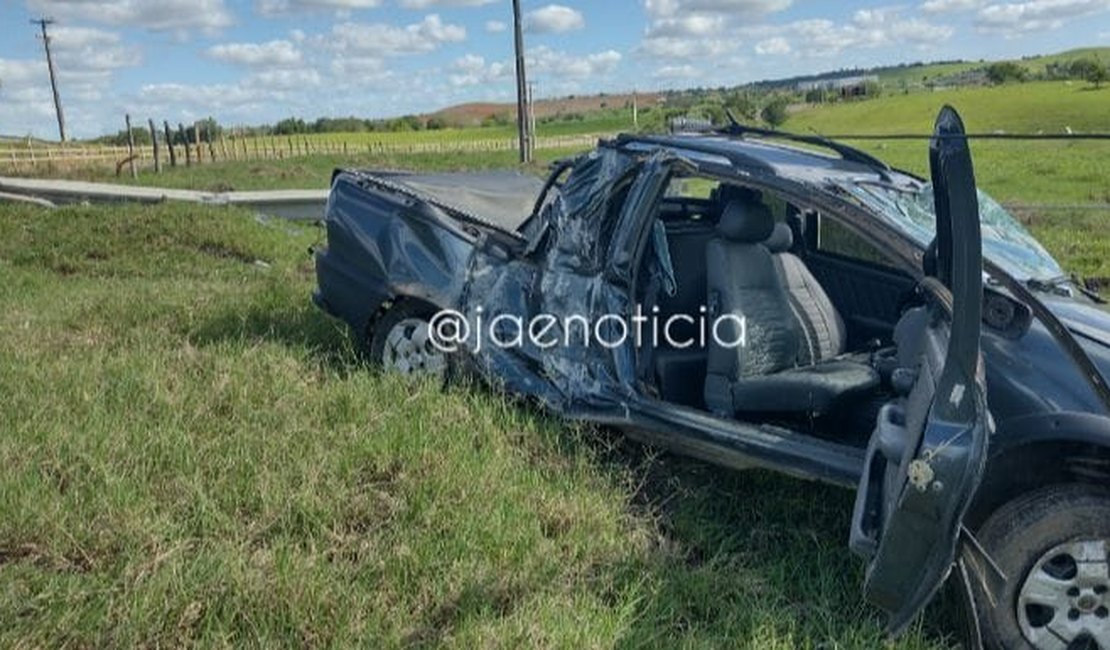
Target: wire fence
31	156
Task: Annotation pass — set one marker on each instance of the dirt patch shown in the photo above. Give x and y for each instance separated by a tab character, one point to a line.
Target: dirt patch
474	113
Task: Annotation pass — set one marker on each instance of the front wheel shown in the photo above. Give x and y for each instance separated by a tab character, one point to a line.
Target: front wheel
1053	545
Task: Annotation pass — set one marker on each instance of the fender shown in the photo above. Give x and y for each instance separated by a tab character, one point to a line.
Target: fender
1042	449
1089	428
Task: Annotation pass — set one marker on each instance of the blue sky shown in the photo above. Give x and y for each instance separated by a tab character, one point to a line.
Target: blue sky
256	61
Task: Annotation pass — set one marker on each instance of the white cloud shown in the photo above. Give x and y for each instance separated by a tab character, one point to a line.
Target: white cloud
472	70
692	29
83	50
277	53
746	8
424	4
1012	18
286	79
945	6
16	72
495	26
684	72
164	15
25	102
868	28
690	25
687	48
361	67
774	45
274	7
545	61
554	19
382	40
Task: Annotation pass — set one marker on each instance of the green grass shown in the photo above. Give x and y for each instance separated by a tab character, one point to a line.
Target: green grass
1048	106
303	172
193	456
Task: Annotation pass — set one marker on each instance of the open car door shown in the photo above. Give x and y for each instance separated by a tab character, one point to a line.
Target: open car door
928	450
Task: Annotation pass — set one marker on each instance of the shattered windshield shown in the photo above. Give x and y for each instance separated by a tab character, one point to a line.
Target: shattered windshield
1005	241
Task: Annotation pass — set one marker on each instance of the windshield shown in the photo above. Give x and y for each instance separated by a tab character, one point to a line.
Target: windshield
1005	241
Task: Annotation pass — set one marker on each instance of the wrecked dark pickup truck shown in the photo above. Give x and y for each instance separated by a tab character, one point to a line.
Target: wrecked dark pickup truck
760	299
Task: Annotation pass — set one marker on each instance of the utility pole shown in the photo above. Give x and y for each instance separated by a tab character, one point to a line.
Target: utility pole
521	89
43	22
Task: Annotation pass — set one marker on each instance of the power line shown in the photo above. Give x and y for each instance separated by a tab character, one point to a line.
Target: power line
42	23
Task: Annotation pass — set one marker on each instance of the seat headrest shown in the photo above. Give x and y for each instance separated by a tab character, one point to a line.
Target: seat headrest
781	239
747	222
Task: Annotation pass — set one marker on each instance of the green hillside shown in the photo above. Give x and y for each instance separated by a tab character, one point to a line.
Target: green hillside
1048	106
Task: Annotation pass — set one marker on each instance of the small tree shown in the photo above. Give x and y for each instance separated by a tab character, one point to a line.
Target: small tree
742	105
774	112
1005	71
1098	74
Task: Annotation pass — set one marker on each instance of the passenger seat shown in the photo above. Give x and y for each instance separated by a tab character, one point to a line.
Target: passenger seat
763	376
821	329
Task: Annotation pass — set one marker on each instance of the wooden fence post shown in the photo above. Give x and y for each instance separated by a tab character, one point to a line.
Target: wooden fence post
185	140
169	144
154	143
130	145
208	137
198	156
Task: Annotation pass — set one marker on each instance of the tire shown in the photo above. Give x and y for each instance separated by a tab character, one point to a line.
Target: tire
399	342
1050	601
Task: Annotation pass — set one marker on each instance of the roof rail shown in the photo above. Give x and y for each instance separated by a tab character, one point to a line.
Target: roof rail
736	129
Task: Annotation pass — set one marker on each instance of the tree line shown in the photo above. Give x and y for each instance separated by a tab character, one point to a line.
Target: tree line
1087	69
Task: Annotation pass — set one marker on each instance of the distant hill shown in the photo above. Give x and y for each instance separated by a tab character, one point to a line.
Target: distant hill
476	113
908	75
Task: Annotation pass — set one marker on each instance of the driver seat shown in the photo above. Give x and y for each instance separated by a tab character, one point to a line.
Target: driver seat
761	375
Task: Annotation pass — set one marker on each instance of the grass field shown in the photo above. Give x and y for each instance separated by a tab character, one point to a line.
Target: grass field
192	455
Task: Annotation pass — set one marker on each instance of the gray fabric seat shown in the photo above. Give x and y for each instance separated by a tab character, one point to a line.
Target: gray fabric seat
824	336
745	284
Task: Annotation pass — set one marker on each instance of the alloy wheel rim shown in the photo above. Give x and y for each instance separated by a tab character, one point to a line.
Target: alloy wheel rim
1064	601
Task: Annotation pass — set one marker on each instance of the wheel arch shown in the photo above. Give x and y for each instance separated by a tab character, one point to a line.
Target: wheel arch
1036	451
392	302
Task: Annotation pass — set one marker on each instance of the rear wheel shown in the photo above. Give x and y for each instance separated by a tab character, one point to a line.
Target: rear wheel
1053	545
401	343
